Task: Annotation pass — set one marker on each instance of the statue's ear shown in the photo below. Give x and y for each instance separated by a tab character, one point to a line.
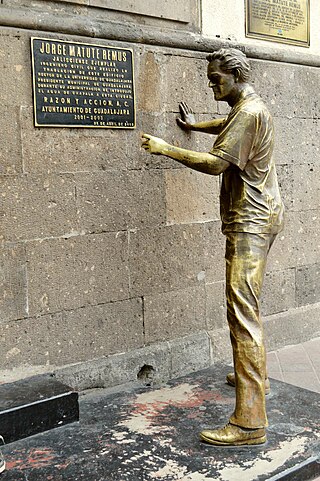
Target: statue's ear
237	75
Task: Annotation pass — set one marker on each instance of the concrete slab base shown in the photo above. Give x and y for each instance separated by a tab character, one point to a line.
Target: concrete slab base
142	434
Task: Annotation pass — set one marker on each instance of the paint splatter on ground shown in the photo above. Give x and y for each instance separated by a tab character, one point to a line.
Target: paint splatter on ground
152	434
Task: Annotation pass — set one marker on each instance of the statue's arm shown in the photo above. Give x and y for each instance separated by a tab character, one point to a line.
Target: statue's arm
188	122
200	161
213	126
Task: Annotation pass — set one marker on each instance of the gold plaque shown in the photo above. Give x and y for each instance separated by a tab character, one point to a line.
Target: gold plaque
286	21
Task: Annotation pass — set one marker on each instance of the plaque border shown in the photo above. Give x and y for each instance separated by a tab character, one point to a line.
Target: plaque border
272	38
80	126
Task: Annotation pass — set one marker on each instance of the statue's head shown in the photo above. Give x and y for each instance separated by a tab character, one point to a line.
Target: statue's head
228	68
233	61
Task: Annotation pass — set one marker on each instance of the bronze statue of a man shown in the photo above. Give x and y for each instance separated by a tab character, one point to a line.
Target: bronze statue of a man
252	215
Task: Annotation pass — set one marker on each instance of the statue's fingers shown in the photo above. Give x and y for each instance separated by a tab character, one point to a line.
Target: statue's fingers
182	109
146	136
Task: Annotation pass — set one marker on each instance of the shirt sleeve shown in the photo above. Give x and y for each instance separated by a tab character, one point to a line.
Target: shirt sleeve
236	140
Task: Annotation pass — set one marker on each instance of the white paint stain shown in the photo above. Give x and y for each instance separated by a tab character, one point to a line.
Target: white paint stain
267	463
171	468
150	403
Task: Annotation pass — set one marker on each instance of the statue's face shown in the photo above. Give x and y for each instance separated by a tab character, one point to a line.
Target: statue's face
222	83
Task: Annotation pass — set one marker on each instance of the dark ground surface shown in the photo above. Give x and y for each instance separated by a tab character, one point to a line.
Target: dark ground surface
142	434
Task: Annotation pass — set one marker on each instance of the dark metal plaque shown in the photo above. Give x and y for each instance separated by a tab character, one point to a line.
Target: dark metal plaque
286	21
82	85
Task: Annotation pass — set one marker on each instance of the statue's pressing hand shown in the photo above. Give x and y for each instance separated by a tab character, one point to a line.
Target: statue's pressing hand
187	119
154	145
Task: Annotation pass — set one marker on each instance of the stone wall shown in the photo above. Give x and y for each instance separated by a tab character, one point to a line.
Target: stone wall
112	259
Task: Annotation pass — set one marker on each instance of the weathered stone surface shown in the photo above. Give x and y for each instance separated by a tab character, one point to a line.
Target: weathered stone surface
75	151
190	354
148	96
278	293
306	186
298	244
268	81
13	283
174	314
297	140
283	251
34	207
77	271
10	140
191	196
112	201
306	237
163	9
308	284
15	59
216	315
185	79
292	326
214	252
286	175
25	342
94	331
74	336
221	349
166	258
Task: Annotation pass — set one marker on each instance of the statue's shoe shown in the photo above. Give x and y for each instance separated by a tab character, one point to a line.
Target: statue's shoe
232	435
231	381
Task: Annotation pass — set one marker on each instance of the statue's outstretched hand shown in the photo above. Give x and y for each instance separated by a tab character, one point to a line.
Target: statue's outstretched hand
187	119
154	145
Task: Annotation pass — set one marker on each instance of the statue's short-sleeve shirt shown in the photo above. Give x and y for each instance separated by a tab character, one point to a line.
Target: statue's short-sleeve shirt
250	199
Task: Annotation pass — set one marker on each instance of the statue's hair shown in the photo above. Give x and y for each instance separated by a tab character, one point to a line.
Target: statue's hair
231	59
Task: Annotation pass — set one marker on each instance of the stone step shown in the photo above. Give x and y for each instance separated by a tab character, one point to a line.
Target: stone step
33	405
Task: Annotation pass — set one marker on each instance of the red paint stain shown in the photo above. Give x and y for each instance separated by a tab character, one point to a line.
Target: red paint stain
195	400
35	459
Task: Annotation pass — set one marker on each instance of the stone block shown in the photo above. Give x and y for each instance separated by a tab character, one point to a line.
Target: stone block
163	9
112	201
173	314
306	237
278	293
185	79
306	186
190	354
13	283
25	342
191	196
76	150
126	367
216	306
10	140
221	349
38	207
70	337
308	284
149	84
283	252
93	332
289	98
214	252
292	326
297	140
77	271
15	62
166	258
286	182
